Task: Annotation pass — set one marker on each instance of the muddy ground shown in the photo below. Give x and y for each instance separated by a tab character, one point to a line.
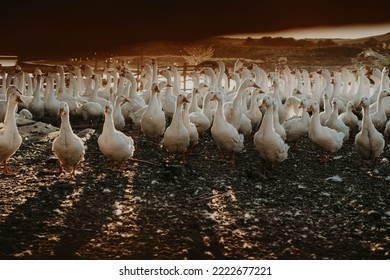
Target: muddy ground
206	209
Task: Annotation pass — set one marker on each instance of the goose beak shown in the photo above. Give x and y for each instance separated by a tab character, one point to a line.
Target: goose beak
19	100
360	105
214	98
300	105
106	109
61	112
262	104
125	100
169	85
185	100
255	86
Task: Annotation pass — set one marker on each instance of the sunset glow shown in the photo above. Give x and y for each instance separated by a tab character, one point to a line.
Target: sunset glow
342	32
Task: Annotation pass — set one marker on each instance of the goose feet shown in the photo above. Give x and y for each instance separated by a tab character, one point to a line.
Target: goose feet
6	169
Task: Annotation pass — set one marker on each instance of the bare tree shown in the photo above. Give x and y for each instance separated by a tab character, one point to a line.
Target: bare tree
198	53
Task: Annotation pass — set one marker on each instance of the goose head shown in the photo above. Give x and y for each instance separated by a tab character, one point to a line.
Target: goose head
335	103
217	96
86	70
14	94
166	74
313	107
181	98
108	109
266	102
304	103
384	93
155	87
64	109
364	103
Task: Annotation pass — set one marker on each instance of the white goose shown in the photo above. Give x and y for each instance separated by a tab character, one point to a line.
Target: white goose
324	115
119	120
114	144
348	117
270	145
279	129
253	113
68	147
325	138
10	139
191	127
176	136
224	134
52	104
36	106
200	119
153	119
136	102
334	122
233	109
297	128
168	101
379	118
369	143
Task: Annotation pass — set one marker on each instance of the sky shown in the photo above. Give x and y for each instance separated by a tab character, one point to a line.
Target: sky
50	28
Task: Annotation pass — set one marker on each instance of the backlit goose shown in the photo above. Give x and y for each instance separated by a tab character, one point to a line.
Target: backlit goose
136	102
114	144
326	139
369	143
36	106
324	115
253	113
385	85
3	88
348	117
176	136
337	87
68	147
375	74
224	134
279	129
270	145
168	101
191	127
94	95
362	88
153	119
10	140
213	84
203	119
334	122
176	81
119	120
233	109
378	118
245	123
297	128
52	104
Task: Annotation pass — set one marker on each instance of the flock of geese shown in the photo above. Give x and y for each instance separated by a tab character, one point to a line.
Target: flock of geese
277	109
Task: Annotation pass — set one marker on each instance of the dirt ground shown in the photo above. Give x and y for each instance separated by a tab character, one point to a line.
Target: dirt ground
206	209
